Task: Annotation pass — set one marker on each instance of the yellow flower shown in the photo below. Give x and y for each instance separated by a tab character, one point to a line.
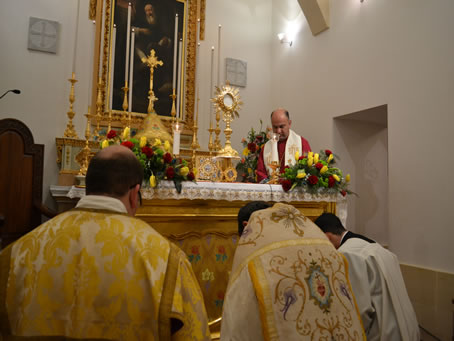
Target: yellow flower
324	169
126	133
105	144
310	161
246	151
310	155
167	146
143	141
297	155
152	181
184	170
301	174
316	156
157	142
336	177
330	157
249	170
347	178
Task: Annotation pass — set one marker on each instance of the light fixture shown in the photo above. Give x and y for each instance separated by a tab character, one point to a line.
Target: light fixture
285	39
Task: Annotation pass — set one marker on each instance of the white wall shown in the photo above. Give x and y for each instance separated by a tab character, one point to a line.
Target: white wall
375	53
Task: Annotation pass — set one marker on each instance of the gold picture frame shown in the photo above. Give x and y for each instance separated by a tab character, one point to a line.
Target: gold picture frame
104	13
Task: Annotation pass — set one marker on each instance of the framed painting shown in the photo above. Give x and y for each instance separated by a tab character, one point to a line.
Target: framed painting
154	26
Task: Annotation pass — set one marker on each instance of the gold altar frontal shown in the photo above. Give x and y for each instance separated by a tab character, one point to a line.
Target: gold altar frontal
202	221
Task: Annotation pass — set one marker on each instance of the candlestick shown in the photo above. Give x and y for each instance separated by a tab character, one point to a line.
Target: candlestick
112	65
219	57
175	46
75	38
197	81
180	58
211	82
131	70
128	33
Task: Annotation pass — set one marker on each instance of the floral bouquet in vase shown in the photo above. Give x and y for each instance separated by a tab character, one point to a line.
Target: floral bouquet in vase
316	173
253	144
156	159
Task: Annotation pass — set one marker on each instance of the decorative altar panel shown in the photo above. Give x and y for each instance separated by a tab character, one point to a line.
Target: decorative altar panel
202	221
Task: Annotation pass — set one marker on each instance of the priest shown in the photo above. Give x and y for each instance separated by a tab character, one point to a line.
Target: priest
96	272
377	283
287	281
289	143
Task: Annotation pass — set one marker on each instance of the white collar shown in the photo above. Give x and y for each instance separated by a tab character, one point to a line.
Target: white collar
101	202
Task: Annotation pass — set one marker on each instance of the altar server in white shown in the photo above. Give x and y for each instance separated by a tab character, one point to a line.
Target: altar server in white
377	283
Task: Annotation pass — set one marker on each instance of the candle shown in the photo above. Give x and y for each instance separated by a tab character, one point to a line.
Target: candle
91	62
75	38
176	138
274	152
175	46
131	71
128	33
180	46
219	56
112	65
211	80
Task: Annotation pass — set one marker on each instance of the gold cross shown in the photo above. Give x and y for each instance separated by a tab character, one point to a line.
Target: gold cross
152	62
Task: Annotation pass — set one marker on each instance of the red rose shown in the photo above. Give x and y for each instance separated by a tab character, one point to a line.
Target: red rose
343	193
252	147
221	249
259	138
243	160
331	181
170	173
190	176
128	144
301	157
167	158
328	152
147	151
286	185
313	180
111	134
319	165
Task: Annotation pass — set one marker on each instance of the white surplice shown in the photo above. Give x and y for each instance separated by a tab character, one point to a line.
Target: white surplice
380	292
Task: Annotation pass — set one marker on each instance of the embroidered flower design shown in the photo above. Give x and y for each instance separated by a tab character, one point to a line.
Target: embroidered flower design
195	256
207	275
290	298
344	291
290	217
319	288
221	256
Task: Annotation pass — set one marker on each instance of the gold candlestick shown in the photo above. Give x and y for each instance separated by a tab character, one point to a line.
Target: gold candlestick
69	131
85	154
210	140
125	105
195	143
217	131
152	62
109	122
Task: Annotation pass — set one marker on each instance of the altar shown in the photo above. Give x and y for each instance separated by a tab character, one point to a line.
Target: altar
202	221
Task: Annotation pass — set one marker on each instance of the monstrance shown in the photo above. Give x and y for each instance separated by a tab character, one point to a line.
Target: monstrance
227	100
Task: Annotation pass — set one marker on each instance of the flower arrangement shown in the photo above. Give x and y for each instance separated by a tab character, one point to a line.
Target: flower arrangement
315	172
158	164
253	144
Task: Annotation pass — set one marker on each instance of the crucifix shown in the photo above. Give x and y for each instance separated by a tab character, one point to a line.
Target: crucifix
152	62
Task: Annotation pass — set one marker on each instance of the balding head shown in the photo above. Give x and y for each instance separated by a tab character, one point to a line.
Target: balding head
113	171
281	123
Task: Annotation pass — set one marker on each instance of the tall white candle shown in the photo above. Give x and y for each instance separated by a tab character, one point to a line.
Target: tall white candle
112	65
175	47
211	81
131	69
274	152
180	59
91	61
219	57
75	38
128	34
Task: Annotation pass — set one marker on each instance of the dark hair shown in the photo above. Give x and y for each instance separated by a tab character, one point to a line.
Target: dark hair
113	175
329	222
285	111
246	211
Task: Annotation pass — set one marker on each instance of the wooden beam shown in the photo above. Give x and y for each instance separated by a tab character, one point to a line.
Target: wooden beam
317	14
